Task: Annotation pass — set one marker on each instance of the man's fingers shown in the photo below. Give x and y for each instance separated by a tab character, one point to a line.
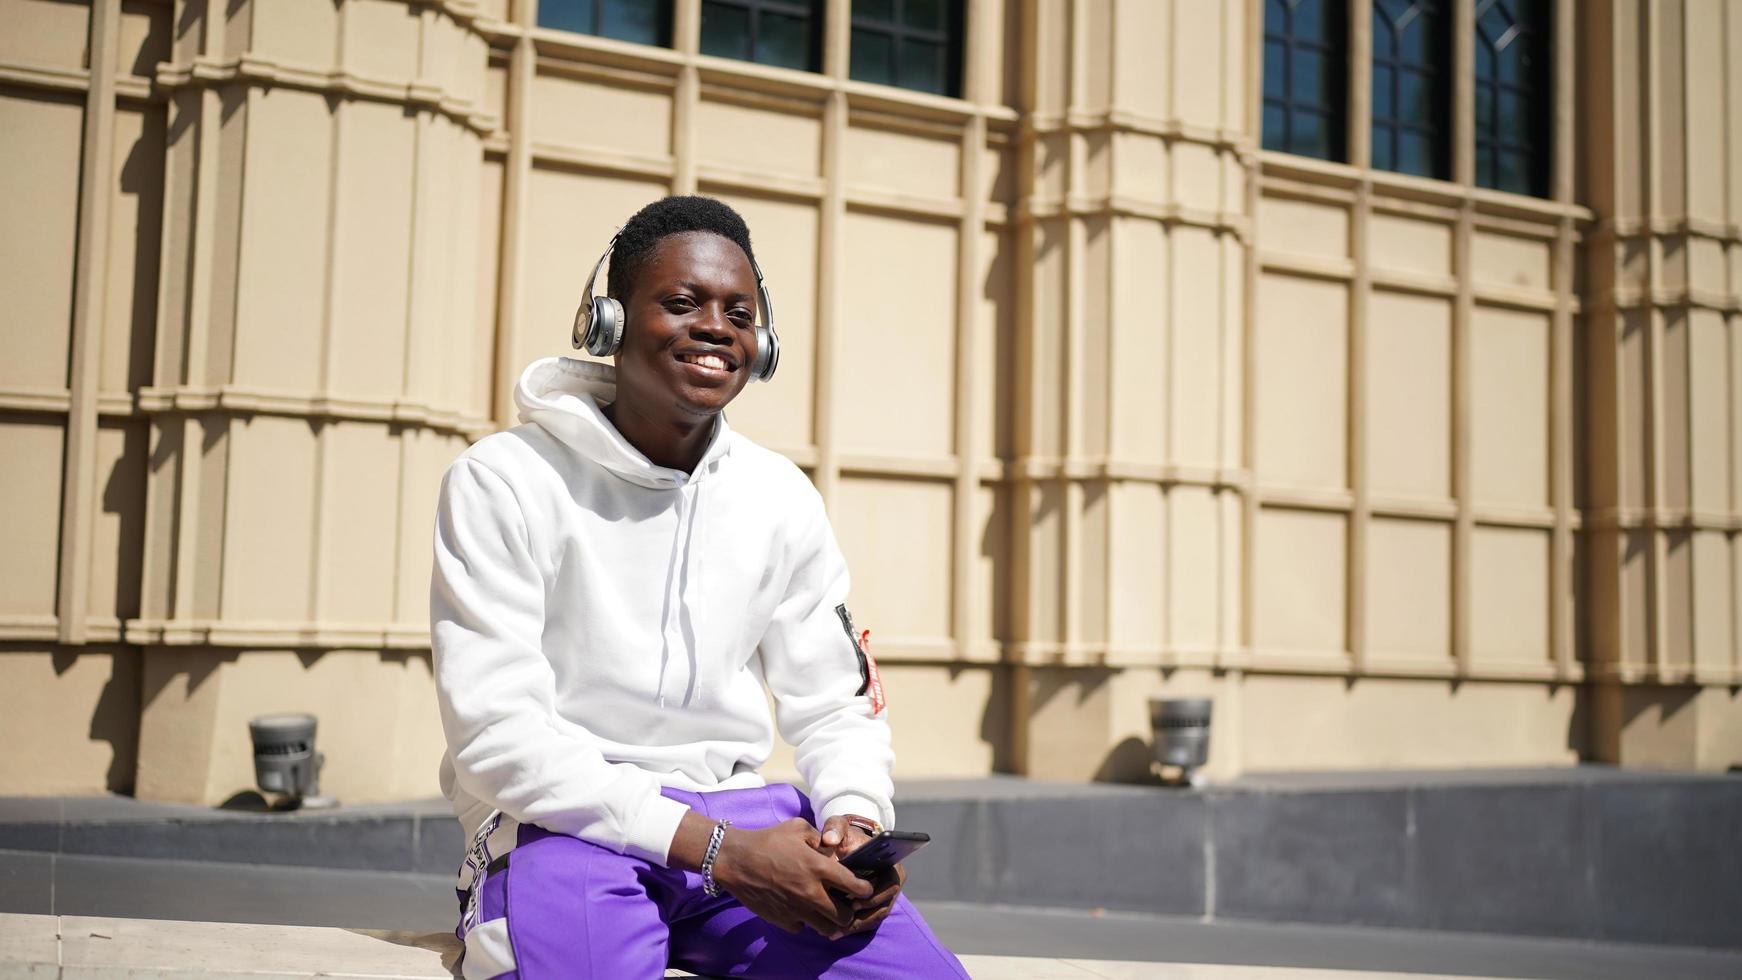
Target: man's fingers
834	831
842	880
885	885
870	920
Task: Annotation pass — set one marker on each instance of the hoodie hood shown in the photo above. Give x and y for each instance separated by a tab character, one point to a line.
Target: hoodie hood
564	396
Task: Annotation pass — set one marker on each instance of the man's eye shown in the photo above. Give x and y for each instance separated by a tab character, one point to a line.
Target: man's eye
743	315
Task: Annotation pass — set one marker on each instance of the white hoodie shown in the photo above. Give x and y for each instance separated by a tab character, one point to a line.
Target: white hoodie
603	627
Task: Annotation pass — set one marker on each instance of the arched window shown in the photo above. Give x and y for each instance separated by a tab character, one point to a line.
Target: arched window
1412	58
1513	94
1305	68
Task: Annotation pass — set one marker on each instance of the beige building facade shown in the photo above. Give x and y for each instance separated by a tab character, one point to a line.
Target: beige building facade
1107	399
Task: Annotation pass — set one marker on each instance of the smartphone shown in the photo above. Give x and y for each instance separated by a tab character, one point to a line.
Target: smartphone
884	851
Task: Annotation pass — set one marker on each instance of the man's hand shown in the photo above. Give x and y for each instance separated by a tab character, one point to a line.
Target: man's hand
841	839
784	876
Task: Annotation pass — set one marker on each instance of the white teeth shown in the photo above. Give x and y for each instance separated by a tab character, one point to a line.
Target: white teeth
714	361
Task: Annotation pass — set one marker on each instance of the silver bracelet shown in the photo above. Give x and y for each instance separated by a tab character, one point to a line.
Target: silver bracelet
715	839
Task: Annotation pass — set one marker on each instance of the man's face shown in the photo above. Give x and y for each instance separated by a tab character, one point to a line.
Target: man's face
691	332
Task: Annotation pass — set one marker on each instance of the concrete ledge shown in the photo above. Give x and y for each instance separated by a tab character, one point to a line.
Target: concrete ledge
1586	853
74	947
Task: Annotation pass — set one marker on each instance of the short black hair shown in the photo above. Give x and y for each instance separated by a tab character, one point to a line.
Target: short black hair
669	216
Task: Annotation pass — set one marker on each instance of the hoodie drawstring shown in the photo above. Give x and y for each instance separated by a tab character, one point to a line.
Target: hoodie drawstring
684	576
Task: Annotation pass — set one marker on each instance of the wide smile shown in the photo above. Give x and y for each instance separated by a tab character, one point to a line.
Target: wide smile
707	366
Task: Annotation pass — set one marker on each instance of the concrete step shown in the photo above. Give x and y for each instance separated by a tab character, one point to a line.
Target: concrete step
83	885
69	947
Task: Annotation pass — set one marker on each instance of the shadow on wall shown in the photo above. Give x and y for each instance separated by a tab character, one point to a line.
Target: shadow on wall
115	716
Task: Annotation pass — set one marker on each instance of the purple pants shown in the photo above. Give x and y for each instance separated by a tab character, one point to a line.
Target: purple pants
558	907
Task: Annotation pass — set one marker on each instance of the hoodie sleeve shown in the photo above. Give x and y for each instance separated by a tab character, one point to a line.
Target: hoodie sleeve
496	689
812	664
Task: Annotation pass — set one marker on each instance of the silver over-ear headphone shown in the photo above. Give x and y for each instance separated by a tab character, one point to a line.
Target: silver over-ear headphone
599	322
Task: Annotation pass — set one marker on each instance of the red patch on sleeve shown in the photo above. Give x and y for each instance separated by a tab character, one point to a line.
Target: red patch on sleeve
874	690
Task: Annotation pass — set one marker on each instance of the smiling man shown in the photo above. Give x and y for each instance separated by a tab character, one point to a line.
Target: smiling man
615	581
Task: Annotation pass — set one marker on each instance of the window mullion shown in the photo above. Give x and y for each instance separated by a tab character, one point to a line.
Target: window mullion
1359	94
1463	135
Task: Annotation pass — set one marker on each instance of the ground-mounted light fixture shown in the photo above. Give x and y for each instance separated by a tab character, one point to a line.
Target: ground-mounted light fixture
285	760
1182	737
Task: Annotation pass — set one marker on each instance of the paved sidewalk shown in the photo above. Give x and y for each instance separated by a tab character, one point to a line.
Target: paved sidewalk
69	947
132	888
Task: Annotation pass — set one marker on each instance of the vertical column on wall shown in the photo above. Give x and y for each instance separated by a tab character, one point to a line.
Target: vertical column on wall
1662	380
517	172
1035	554
837	25
1463	312
1562	568
1360	298
686	35
90	274
1250	272
1075	396
1612	158
1652	122
178	515
977	88
1133	225
89	277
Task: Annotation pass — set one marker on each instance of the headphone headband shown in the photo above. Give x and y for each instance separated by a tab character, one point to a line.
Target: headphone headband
599	322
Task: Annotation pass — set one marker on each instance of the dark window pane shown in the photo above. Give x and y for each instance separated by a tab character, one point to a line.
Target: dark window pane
1305	66
1413	98
1311	78
1492	24
783	40
1382	43
1309	20
1383	80
1508	63
725	30
1514	172
883	10
1275	57
925	15
1414	42
1312	135
631	20
567	15
1509	120
872	58
1415	155
921	67
1382	155
1276	127
1513	143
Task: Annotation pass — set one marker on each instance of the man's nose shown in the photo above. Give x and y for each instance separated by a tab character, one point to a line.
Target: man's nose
712	325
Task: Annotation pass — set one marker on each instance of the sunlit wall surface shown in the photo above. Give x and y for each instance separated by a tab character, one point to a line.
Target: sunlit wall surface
1364	364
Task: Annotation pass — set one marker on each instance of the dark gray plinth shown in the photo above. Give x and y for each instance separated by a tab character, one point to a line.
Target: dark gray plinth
1119	848
1589	853
1312	857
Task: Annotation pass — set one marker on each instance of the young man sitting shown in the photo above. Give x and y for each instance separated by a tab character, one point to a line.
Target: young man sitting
616	579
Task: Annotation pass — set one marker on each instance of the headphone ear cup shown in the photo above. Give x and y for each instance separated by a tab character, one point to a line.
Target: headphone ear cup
767	354
605	333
